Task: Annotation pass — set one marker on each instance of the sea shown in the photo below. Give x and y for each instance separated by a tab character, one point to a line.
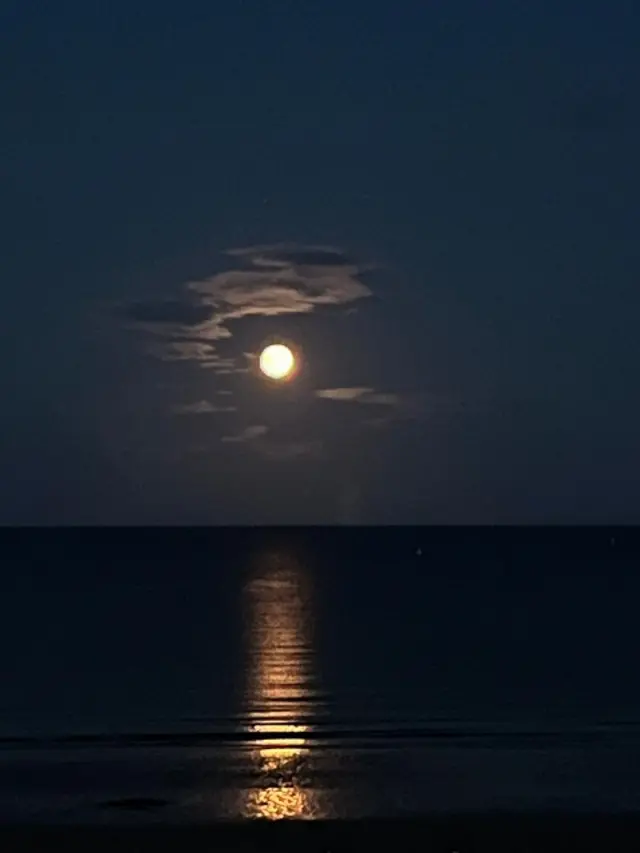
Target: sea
199	675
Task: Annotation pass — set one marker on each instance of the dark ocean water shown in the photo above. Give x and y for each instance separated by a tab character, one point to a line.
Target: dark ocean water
200	675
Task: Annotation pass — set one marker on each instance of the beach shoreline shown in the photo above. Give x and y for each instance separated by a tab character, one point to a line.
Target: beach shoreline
515	833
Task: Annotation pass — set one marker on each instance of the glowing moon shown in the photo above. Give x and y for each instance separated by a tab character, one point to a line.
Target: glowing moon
277	361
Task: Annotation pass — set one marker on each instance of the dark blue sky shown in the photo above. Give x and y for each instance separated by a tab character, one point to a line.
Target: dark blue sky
437	203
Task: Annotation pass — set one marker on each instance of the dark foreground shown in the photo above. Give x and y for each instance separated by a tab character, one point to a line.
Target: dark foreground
463	833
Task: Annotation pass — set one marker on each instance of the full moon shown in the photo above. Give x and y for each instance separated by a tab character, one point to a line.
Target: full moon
277	361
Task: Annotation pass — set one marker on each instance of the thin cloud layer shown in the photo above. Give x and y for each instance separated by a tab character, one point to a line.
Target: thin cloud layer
289	254
390	408
184	351
249	433
202	407
358	395
275	280
342	394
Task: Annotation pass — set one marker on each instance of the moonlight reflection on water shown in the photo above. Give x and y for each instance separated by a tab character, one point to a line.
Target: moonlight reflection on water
280	691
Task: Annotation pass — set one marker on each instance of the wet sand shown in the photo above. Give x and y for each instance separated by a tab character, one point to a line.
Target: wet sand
462	833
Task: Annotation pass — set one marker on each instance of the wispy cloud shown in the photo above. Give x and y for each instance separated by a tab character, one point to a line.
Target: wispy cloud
382	399
202	407
343	394
183	351
247	434
387	408
273	280
359	395
291	254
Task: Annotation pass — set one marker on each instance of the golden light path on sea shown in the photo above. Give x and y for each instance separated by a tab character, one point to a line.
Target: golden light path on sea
279	691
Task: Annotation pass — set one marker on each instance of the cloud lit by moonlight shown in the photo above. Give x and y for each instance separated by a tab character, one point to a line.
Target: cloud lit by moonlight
267	281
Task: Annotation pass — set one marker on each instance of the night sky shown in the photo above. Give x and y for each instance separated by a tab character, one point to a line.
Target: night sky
435	203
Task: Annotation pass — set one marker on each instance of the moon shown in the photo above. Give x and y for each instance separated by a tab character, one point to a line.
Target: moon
277	361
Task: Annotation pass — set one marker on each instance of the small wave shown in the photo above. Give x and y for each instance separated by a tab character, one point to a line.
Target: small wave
323	734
